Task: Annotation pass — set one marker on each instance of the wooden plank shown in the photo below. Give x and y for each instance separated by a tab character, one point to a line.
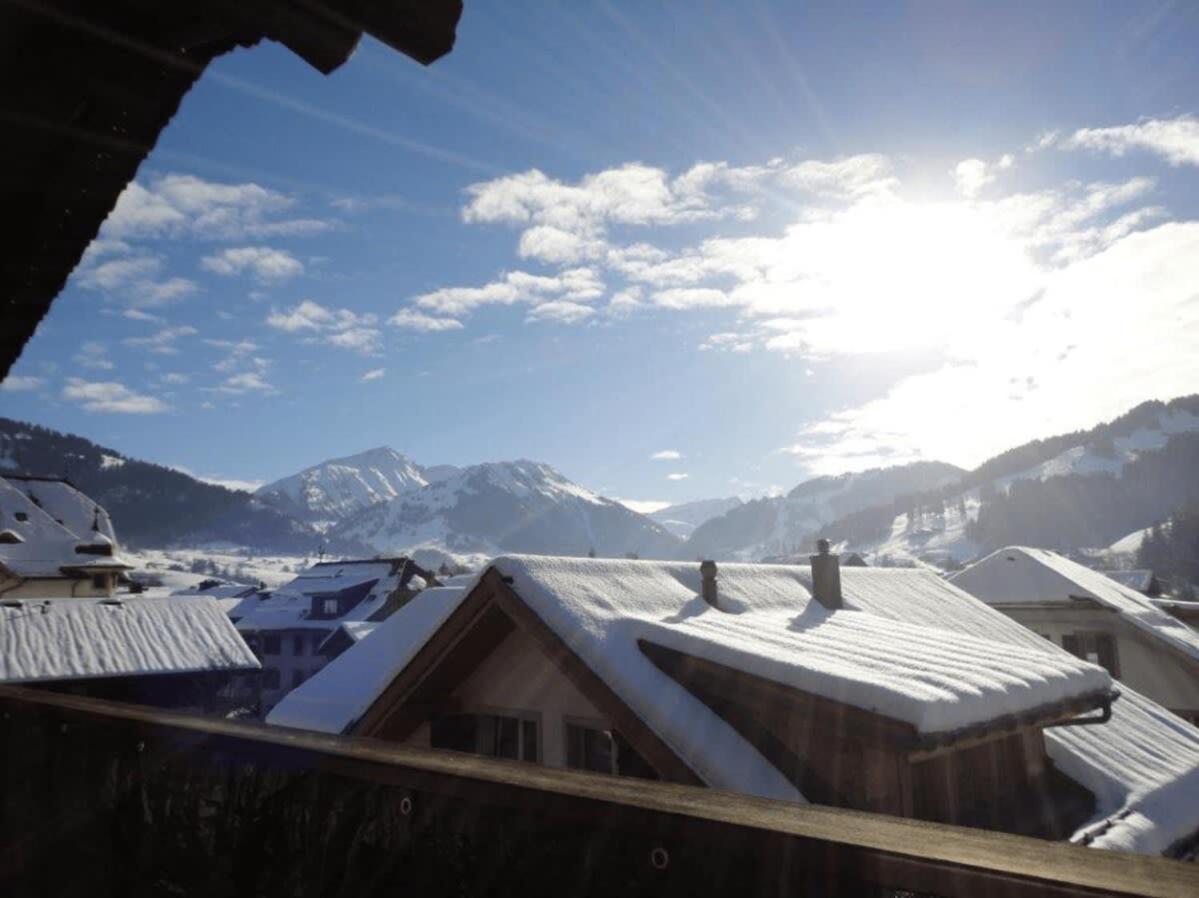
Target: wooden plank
913	854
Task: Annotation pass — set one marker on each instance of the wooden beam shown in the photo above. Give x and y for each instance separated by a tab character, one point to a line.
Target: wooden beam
904	854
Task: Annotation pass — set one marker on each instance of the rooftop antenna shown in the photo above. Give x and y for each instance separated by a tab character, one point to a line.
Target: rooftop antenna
320	552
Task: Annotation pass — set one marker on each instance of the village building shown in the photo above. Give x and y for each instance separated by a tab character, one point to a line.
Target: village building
876	689
150	651
287	627
55	542
1094	617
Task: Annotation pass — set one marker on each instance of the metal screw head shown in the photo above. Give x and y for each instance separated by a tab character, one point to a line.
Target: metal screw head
141	746
405	805
659	857
62	727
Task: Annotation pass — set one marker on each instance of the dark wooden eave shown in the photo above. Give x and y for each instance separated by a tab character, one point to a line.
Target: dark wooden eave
86	88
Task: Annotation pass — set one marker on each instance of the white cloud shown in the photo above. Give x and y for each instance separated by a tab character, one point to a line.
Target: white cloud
308	315
572	285
625	302
176	205
342	328
666	455
162	342
229	483
561	311
133	278
246	382
175	379
373	374
364	340
644	506
677	476
16	383
264	262
94	354
853	177
419	321
692	298
111	396
1175	140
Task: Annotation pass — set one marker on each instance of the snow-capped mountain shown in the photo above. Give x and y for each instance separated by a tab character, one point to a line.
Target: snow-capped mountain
784	525
520	506
152	505
341	487
1096	488
682	519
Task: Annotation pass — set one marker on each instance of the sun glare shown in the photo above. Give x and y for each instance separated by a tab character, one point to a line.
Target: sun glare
892	274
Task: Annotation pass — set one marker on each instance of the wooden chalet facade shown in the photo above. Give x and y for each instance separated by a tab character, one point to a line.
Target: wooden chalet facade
496	680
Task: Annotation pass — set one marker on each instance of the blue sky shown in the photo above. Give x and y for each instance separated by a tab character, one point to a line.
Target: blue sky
759	241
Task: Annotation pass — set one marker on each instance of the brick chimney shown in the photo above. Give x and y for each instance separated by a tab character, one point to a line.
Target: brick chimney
826	577
707	570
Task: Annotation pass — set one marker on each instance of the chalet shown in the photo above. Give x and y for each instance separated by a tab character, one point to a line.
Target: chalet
159	652
876	689
287	627
1094	617
55	542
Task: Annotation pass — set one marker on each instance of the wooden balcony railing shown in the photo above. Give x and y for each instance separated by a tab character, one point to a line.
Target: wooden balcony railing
99	798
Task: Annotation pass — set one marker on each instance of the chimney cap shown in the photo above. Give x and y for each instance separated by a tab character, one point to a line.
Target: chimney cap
707	567
822	546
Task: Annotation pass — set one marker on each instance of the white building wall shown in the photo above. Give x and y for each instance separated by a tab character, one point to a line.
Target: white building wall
1146	665
518	678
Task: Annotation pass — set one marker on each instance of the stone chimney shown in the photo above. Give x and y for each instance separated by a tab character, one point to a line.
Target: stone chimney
826	577
707	570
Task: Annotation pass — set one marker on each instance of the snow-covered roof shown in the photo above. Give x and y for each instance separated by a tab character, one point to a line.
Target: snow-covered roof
1141	579
1142	766
340	693
47	547
289	607
353	630
67	505
74	639
1021	575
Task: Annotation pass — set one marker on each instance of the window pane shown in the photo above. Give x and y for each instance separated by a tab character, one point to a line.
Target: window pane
528	748
507	737
589	749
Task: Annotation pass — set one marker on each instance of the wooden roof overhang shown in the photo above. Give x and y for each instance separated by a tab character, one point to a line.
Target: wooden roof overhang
770	698
87	87
486	616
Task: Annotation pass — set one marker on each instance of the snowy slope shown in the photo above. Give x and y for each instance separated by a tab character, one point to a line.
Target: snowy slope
340	488
938	531
682	519
785	525
507	506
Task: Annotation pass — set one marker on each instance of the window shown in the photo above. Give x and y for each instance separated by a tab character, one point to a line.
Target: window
1098	648
590	749
329	607
604	751
297	644
21	516
100	581
494	735
270	644
270	678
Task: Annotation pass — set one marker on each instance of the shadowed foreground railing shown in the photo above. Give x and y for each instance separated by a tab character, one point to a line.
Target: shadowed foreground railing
102	798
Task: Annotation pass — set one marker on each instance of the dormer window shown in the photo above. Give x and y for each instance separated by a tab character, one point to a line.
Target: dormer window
21	516
9	538
329	607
